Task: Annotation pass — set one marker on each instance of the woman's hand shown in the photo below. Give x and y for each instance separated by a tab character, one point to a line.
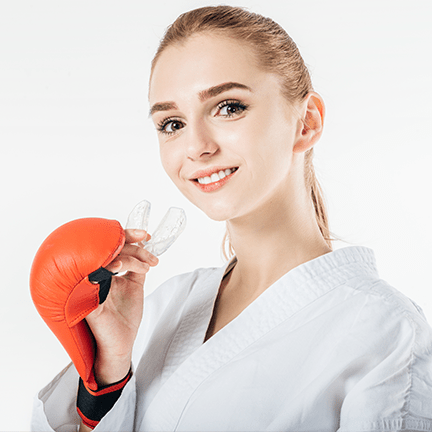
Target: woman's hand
115	322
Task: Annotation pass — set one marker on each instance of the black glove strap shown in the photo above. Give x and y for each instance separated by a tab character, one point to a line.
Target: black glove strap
102	276
92	406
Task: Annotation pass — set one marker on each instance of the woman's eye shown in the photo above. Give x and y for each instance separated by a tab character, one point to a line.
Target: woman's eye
170	126
231	108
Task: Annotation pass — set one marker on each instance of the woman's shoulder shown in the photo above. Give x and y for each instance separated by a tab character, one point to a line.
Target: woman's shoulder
354	274
391	316
391	300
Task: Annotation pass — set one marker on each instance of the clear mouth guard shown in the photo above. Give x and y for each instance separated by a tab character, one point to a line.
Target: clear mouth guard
167	232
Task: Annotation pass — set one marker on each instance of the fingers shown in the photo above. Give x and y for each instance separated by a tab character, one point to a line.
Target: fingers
133	259
138	253
129	264
136	235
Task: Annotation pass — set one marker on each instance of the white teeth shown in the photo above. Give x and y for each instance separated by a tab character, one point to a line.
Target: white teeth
216	176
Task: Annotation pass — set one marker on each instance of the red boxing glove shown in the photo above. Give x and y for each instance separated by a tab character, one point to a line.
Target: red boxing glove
60	283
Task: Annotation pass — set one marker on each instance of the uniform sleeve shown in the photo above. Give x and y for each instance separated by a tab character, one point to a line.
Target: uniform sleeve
54	407
396	393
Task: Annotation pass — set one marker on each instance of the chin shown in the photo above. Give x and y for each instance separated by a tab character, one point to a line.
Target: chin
217	208
218	214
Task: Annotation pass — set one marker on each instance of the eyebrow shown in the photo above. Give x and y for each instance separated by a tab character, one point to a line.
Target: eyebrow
202	96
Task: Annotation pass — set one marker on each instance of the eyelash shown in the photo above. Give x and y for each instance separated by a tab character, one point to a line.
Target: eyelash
235	103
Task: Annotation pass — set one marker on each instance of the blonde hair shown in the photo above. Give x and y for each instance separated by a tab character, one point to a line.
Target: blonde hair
277	53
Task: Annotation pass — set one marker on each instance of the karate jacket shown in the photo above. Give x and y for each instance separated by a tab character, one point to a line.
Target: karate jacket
328	347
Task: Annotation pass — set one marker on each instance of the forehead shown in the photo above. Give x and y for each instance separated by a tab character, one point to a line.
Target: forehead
202	62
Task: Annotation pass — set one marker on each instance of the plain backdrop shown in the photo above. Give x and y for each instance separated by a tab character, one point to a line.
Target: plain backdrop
76	142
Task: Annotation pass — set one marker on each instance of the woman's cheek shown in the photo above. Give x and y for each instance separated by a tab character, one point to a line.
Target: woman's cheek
237	135
169	160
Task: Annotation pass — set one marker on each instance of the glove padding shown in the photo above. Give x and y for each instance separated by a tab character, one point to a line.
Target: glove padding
61	289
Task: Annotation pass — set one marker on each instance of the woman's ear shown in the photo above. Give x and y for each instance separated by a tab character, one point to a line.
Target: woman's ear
311	122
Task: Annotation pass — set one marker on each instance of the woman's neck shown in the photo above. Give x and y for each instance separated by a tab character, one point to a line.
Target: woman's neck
272	242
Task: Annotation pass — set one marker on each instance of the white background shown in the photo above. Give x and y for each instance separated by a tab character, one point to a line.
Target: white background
76	141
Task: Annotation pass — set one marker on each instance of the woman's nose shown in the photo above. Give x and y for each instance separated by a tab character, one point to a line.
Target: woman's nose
200	142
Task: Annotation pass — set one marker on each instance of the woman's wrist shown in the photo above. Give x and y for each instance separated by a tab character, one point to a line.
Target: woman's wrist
111	369
93	405
84	428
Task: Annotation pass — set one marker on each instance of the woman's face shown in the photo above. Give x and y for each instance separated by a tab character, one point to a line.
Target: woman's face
226	133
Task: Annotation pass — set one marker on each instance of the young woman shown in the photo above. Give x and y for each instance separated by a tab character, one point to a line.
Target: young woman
288	334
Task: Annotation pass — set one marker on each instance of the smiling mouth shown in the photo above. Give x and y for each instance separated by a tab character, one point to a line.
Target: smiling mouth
215	177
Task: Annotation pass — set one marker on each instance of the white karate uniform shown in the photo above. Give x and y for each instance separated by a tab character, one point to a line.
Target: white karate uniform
327	347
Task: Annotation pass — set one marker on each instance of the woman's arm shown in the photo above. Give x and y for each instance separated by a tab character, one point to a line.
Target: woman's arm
114	325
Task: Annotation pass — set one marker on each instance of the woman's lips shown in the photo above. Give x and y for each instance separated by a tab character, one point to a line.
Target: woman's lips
210	187
209	171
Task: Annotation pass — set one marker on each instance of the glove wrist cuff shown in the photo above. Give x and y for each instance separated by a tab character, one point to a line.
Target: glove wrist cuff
93	405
